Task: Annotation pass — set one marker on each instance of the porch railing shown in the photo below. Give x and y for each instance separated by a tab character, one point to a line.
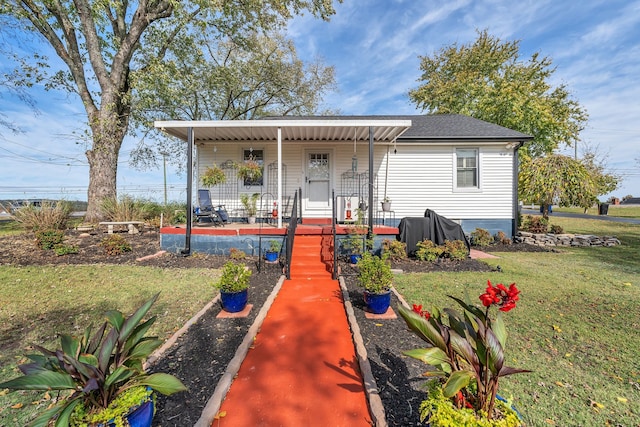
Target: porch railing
291	233
334	217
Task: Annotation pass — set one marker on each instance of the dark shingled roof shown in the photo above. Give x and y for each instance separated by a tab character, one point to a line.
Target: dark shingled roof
436	127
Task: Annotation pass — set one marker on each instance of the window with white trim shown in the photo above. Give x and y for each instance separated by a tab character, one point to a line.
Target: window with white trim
467	168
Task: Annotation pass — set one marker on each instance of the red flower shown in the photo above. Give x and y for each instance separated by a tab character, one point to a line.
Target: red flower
500	296
423	313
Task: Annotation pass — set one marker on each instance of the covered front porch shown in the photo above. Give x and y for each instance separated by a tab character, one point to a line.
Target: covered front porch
321	159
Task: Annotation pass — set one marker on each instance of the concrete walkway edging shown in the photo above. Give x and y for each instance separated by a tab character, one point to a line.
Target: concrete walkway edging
224	384
371	387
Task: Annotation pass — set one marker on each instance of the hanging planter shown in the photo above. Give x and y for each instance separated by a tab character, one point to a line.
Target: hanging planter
249	170
213	176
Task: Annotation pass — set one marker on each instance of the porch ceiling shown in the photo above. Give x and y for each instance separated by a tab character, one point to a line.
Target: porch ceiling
292	130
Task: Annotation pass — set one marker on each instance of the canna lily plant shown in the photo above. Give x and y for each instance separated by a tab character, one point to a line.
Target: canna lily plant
93	371
467	350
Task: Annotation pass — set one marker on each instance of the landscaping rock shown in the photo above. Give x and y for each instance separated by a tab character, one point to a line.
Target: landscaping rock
553	240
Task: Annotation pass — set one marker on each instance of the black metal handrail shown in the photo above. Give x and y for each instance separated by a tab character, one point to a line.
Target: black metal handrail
334	217
291	232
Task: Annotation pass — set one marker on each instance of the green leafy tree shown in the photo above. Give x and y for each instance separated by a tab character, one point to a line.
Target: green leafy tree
103	43
560	179
201	78
596	166
488	80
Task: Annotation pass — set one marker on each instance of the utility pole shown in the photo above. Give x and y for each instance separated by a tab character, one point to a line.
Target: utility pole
164	155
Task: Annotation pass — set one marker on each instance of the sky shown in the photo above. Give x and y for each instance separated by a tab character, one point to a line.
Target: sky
375	47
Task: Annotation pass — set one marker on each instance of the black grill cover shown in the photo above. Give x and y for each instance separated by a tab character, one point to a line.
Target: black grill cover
434	227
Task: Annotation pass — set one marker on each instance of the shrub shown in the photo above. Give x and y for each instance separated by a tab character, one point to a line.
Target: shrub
47	216
353	243
179	217
115	244
275	245
235	277
455	249
175	213
502	238
126	208
237	254
374	273
535	224
481	237
556	229
428	251
48	239
61	250
394	249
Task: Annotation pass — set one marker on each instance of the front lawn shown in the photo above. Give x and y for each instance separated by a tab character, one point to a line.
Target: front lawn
576	326
38	302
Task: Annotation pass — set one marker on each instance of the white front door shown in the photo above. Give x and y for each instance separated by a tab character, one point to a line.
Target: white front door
318	181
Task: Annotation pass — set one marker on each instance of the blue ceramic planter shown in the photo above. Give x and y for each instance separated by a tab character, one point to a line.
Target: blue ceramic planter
271	256
140	417
377	303
234	302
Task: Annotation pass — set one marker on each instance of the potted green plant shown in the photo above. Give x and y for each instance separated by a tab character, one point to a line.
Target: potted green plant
375	276
467	350
250	205
386	204
352	245
271	254
213	176
233	286
100	375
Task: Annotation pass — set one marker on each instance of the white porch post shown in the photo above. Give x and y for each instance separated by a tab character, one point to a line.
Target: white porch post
279	195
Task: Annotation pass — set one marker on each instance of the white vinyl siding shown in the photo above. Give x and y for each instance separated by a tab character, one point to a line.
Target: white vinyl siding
420	176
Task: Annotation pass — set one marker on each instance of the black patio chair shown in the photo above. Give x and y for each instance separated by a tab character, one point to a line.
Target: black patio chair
206	212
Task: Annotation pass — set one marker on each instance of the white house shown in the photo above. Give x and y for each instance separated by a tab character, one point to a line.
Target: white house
460	167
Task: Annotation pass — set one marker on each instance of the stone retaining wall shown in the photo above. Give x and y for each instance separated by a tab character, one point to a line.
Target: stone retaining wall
564	239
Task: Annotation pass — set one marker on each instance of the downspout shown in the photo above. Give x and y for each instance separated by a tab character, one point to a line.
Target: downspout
370	234
187	237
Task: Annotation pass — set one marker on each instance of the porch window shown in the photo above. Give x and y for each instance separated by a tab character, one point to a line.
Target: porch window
467	168
258	157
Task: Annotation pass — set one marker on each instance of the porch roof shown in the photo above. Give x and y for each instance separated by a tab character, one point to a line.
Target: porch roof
292	129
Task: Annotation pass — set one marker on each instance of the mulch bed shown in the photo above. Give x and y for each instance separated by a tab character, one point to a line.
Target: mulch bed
200	356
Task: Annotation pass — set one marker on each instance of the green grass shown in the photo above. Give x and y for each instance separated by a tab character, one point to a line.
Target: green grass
576	326
38	302
614	210
8	226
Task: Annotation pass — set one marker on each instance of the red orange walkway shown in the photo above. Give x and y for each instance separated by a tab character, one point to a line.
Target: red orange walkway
302	369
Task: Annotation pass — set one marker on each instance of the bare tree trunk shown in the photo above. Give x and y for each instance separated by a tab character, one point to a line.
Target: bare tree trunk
102	180
109	128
